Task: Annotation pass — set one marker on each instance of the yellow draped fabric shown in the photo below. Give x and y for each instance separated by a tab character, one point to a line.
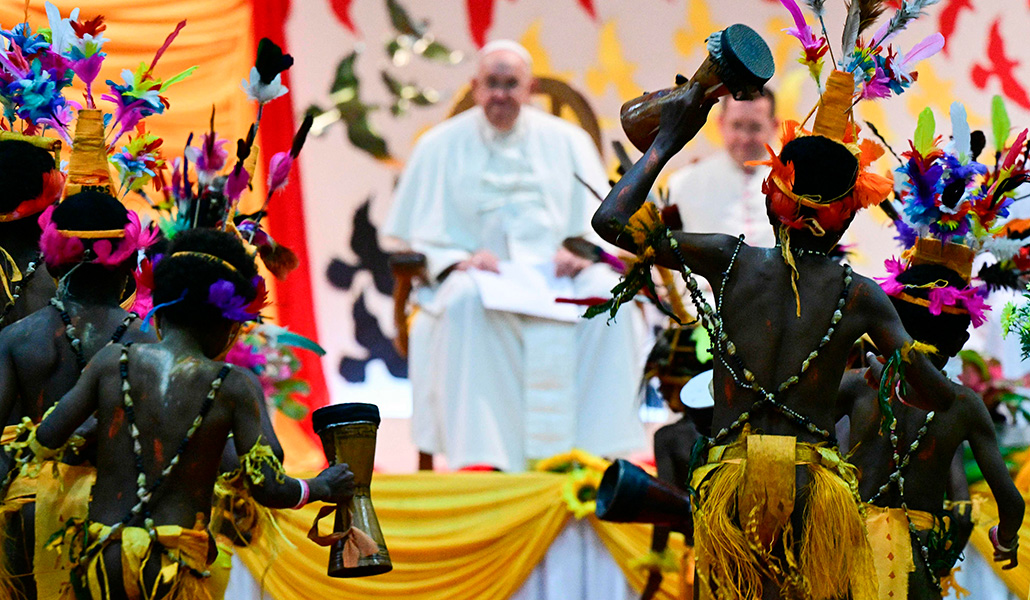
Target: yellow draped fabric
1018	579
450	536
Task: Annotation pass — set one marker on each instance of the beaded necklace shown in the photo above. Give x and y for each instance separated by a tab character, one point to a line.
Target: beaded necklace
712	321
76	343
897	478
30	270
145	492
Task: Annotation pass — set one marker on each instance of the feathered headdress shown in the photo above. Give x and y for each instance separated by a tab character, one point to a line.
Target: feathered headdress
205	189
813	184
951	204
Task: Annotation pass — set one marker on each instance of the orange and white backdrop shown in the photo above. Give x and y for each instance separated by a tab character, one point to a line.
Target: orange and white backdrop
381	72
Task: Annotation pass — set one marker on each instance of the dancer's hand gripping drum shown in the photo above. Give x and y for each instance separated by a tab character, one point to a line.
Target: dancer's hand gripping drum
739	62
348	433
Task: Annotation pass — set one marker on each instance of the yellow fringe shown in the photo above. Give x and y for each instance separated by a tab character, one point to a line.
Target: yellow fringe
949	585
833	559
7	589
917	346
788	257
673	294
835	555
723	553
235	508
643	223
663	562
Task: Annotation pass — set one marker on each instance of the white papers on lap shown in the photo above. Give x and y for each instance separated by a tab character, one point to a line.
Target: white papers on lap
526	289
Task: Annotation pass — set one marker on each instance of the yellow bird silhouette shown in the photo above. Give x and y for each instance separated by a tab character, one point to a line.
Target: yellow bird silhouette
690	40
613	68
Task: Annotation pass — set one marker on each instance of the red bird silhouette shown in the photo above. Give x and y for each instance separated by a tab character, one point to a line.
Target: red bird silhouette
481	17
948	20
342	10
1002	67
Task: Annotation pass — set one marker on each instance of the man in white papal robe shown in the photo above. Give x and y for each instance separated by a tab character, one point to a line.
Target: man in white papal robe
497	185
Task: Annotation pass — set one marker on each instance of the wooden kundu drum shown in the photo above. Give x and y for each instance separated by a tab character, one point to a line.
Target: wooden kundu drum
348	433
739	63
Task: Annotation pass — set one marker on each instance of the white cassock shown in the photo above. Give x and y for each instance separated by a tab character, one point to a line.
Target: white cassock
497	387
715	195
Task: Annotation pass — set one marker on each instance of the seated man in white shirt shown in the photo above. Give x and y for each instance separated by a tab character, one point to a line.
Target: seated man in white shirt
494	190
721	193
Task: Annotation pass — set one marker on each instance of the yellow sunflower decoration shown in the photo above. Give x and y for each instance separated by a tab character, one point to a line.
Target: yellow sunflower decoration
584	475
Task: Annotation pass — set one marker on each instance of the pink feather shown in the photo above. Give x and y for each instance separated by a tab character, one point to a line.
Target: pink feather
236	183
801	29
57	249
168	42
1015	150
931	44
279	171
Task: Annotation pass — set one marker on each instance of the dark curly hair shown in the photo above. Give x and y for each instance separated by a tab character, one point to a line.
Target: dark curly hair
193	275
22	166
946	330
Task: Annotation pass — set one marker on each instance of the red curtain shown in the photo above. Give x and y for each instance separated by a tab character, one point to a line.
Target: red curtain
286	225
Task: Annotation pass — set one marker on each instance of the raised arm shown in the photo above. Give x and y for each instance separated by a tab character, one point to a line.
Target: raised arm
984	444
927	388
273	488
75	407
680	122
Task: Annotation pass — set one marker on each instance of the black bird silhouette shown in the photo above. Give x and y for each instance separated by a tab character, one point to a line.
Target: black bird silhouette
370	336
371	258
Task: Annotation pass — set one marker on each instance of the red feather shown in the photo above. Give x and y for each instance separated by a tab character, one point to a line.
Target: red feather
260	300
168	42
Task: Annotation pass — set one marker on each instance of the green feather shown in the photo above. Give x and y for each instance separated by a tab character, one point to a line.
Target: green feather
892	374
1000	123
288	338
923	139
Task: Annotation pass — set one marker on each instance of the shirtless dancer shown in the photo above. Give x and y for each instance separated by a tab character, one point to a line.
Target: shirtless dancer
905	454
42	355
171	406
782	339
30	184
926	478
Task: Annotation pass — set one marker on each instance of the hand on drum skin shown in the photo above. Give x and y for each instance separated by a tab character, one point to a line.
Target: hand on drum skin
567	264
484	260
339	483
682	118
